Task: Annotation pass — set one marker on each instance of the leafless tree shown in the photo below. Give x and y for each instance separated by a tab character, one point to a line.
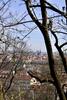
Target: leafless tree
44	5
10	42
10	26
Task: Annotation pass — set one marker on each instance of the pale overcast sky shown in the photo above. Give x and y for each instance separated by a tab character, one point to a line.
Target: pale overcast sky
35	40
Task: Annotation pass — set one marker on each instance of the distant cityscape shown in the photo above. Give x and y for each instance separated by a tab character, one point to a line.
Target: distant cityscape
36	63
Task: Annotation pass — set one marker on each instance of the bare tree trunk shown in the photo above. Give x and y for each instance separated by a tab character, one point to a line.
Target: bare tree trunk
44	30
49	51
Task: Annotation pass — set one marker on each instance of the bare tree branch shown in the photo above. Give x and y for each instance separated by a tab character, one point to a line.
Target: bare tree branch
5	4
40	79
60	50
55	9
44	30
63	44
